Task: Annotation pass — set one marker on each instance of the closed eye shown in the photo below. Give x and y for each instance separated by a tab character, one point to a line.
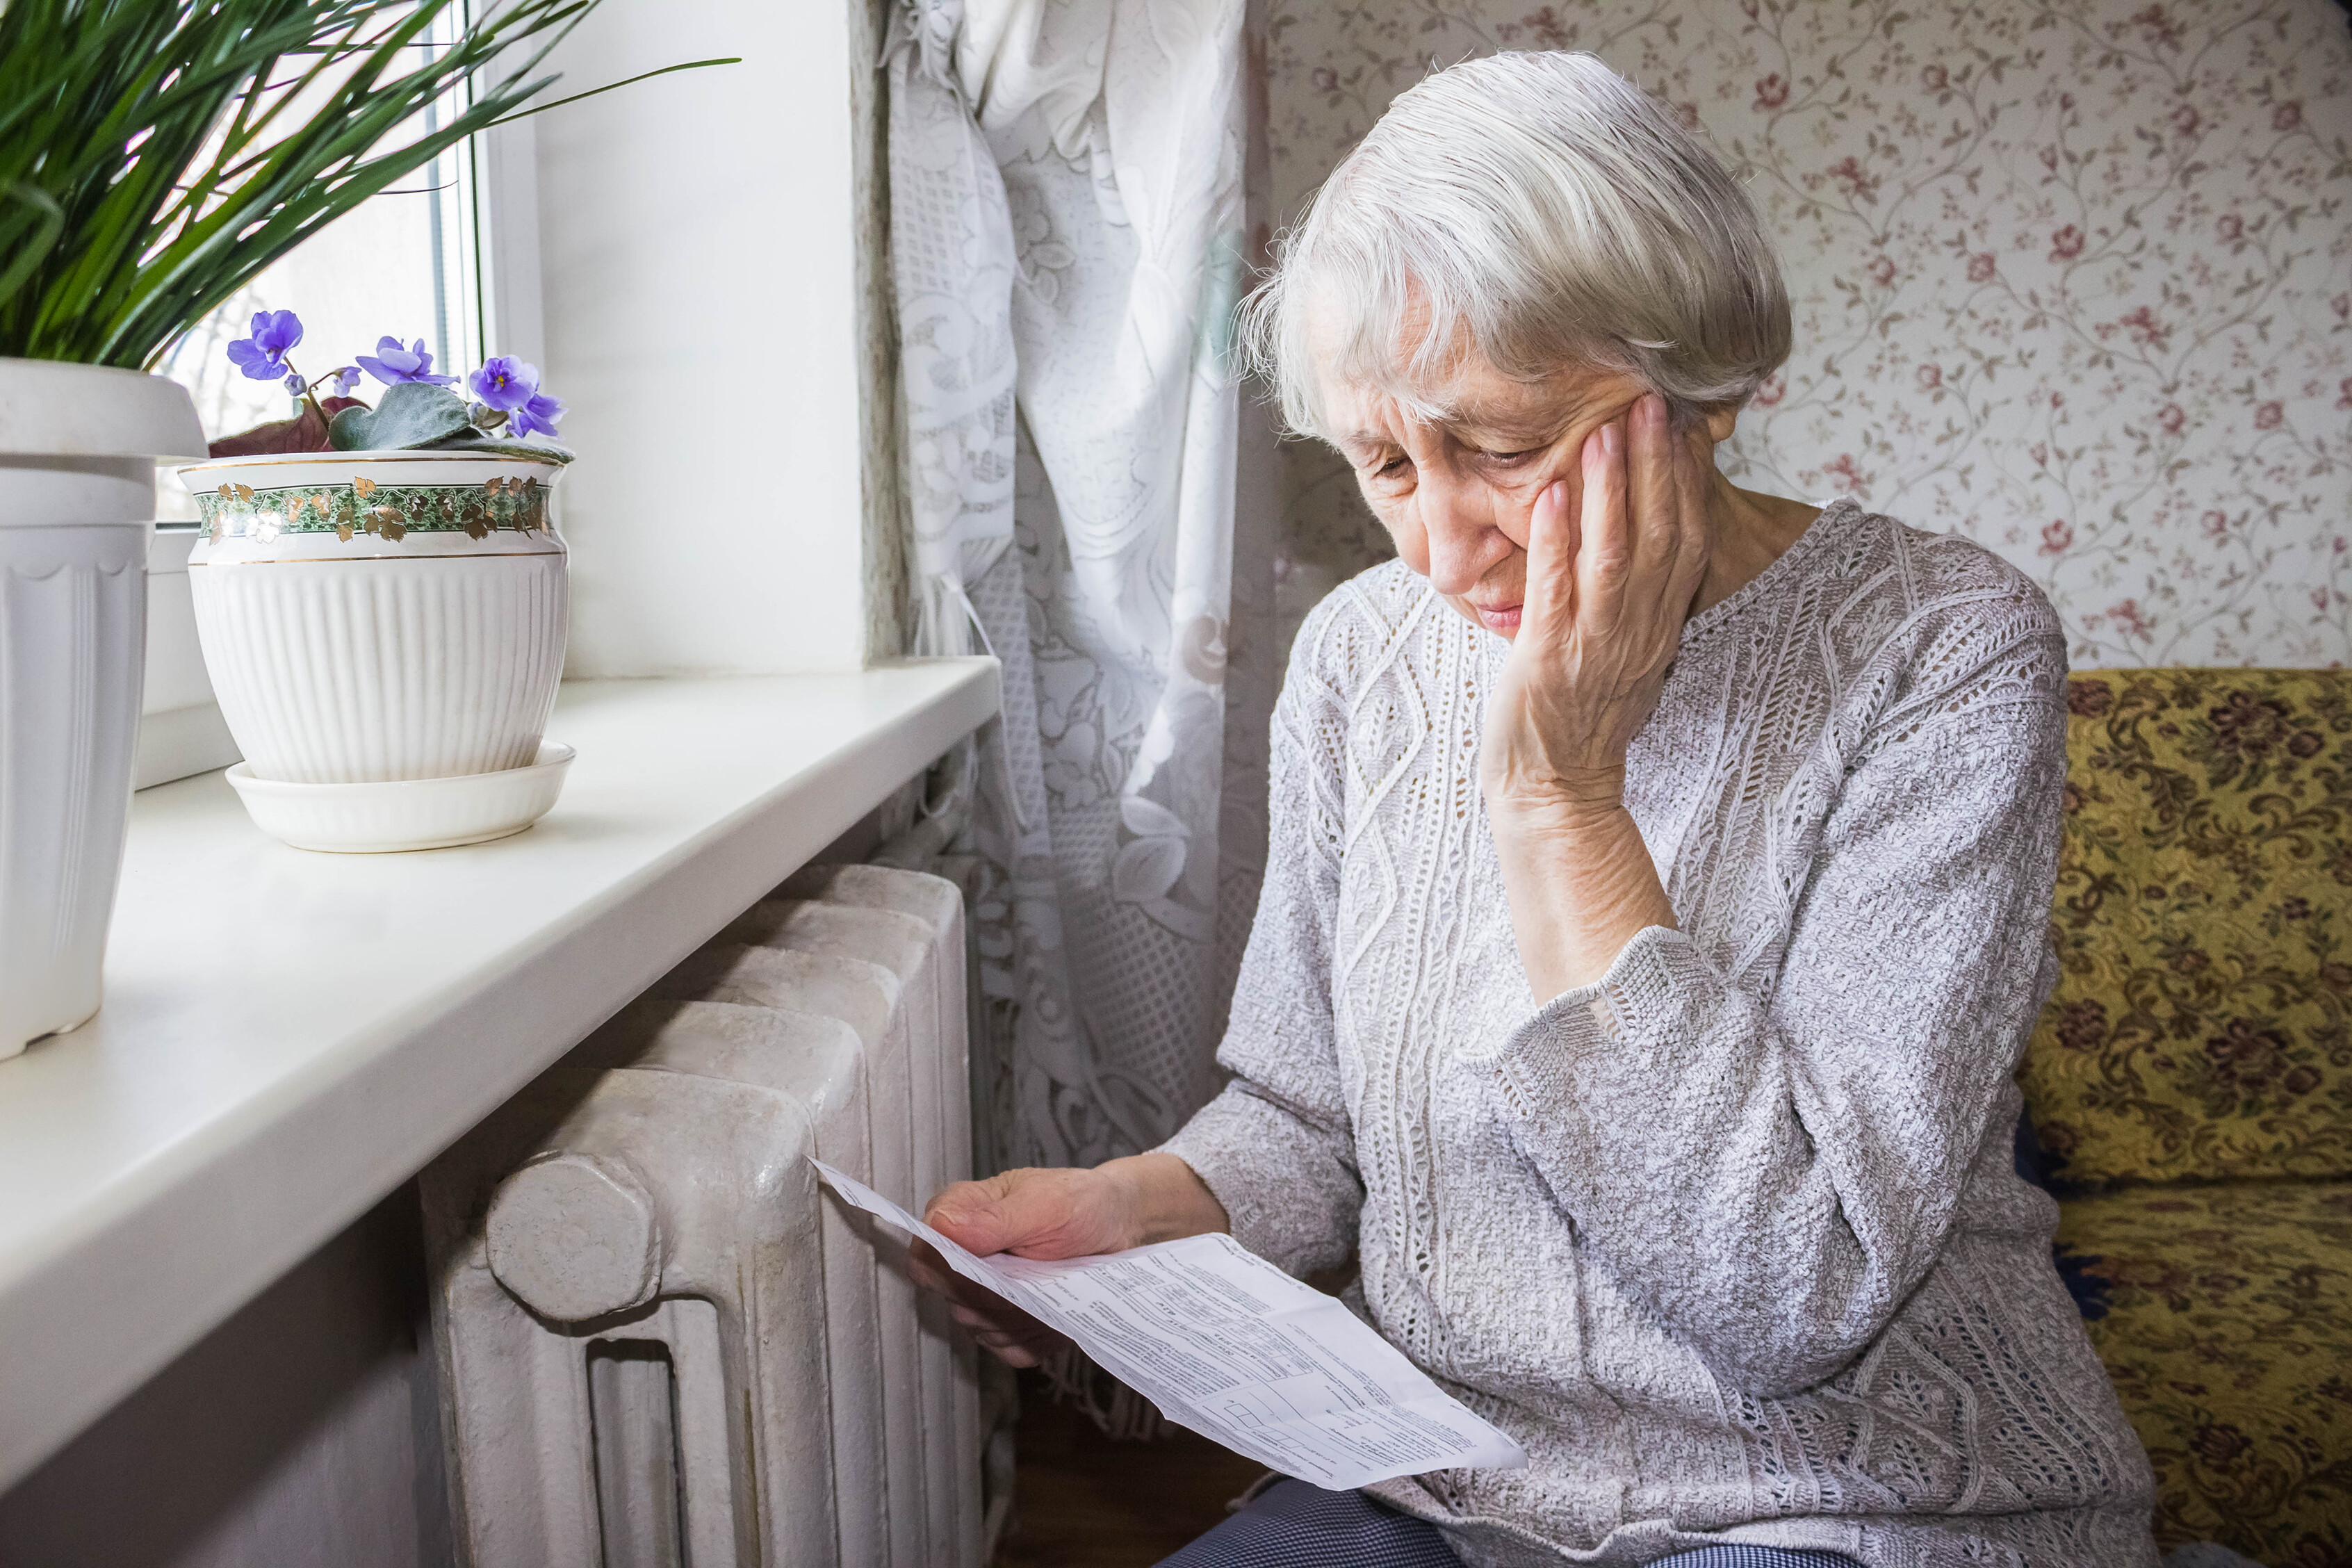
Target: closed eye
1508	458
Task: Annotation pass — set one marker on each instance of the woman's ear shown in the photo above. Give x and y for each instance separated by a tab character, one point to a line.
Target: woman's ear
1719	421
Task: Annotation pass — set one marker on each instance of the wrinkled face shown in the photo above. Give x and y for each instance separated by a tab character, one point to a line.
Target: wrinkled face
1456	495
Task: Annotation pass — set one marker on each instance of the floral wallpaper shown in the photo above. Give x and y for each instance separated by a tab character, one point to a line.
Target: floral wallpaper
2073	278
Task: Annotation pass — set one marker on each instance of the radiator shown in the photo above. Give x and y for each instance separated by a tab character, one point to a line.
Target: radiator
660	1344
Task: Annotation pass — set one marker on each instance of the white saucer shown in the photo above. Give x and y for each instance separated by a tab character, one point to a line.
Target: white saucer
405	813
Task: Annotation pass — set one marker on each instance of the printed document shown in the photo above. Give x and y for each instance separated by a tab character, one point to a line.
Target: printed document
1225	1344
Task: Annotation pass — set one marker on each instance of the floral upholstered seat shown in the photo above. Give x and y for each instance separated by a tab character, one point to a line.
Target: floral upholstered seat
2224	1314
2191	1088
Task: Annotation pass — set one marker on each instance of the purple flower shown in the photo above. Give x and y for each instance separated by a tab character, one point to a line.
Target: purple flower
511	386
539	415
295	384
393	365
344	382
504	382
262	356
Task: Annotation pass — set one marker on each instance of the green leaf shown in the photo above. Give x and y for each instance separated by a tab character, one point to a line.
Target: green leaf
28	235
413	414
608	87
156	156
349	431
491	447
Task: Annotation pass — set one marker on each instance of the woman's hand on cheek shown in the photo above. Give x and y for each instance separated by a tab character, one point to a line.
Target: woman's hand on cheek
1608	590
1607	593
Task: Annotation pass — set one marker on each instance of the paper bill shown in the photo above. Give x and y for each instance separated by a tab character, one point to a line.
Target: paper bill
1225	1344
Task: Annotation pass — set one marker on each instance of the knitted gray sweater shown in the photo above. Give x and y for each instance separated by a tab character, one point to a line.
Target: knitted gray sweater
1731	1241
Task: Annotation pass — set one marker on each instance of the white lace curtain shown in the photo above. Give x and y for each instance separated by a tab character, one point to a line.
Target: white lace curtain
1068	233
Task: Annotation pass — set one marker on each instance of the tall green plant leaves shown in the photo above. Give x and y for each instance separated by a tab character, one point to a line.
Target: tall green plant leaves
151	160
30	223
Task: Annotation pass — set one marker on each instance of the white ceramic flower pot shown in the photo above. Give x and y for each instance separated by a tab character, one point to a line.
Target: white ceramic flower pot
371	617
78	450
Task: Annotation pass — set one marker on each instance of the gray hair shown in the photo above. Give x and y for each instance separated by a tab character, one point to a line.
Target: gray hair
1539	211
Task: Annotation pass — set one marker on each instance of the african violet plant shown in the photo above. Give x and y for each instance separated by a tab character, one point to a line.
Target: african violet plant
416	412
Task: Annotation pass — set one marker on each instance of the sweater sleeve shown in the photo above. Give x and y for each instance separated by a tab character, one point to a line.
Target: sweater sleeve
1773	1164
1278	1146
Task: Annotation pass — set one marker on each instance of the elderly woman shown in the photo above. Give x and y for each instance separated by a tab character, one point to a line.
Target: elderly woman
1655	914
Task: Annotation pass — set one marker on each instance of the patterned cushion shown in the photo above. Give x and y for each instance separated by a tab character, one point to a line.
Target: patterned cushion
2204	930
2225	1316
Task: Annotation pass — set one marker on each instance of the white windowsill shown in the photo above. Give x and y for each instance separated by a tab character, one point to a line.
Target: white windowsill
289	1035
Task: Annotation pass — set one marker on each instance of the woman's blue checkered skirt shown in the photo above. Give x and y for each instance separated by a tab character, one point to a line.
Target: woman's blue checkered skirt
1294	1525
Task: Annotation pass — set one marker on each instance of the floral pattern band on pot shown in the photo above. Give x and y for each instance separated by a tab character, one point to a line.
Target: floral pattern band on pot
364	507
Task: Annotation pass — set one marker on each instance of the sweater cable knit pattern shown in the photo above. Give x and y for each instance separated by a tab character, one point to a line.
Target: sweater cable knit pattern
1731	1241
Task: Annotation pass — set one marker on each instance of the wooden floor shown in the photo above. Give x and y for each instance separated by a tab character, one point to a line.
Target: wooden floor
1082	1502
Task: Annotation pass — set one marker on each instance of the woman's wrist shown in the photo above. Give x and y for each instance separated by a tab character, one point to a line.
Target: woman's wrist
1162	1198
1564	818
1580	884
1547	799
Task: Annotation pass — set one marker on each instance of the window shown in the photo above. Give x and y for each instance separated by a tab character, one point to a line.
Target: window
405	263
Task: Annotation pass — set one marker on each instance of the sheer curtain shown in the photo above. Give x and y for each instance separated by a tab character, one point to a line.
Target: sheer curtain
1068	235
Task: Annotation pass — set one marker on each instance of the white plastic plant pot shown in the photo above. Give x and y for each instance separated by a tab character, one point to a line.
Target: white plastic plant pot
78	450
372	617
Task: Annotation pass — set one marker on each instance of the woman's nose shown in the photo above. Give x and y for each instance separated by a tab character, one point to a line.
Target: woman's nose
1464	543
